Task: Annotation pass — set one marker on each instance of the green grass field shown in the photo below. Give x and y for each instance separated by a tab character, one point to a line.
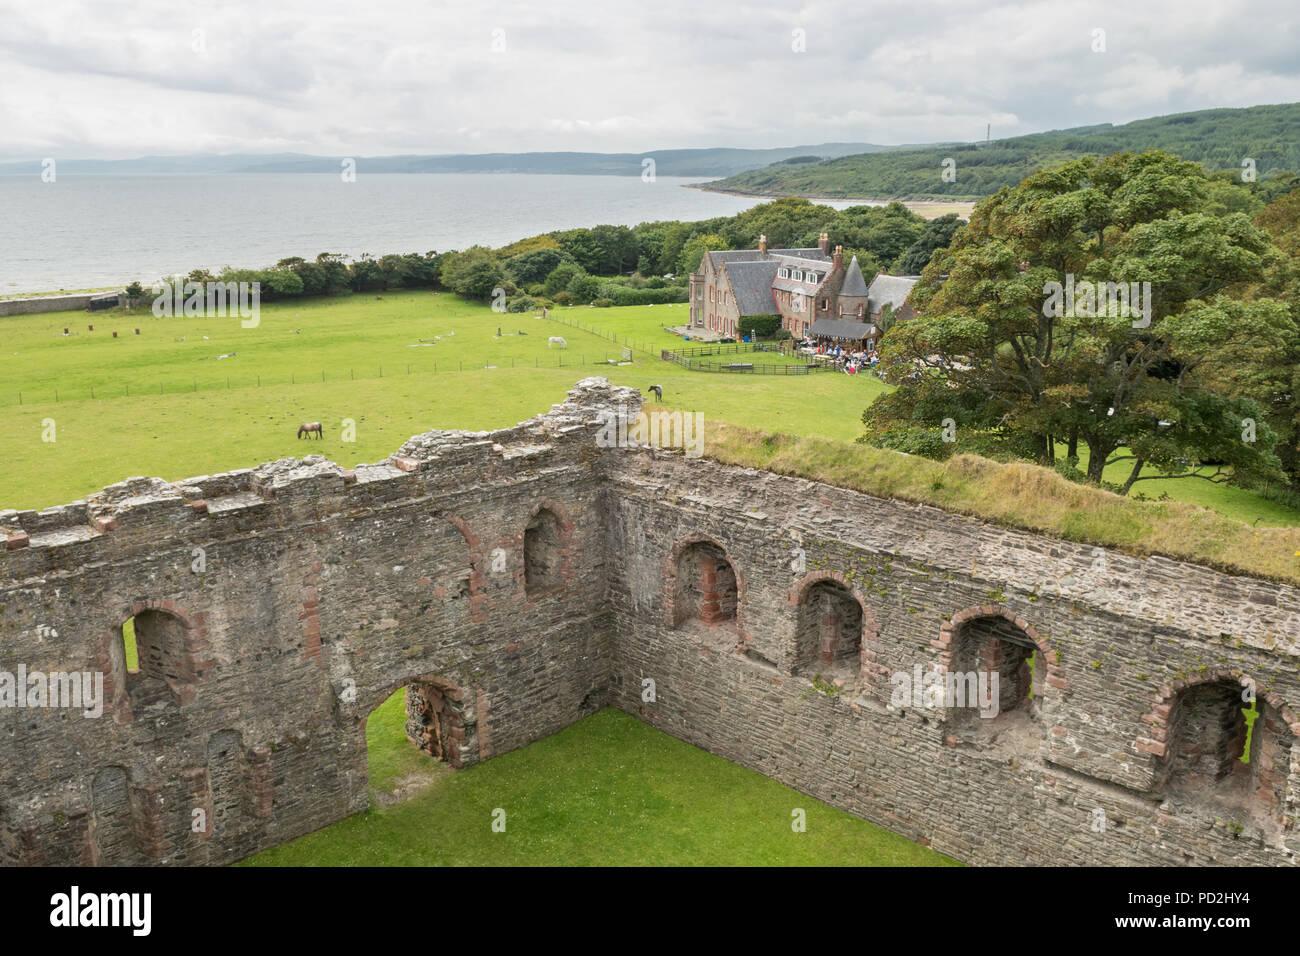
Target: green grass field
608	790
162	407
164	404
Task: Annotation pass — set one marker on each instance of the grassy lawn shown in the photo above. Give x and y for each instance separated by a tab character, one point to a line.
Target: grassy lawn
608	790
164	404
199	426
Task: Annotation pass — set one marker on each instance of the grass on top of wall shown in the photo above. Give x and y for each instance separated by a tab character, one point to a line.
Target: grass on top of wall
1021	495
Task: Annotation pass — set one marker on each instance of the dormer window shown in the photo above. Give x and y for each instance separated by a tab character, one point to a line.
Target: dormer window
798	275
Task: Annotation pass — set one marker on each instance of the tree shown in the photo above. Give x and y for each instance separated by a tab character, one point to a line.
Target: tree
937	235
472	274
693	252
529	267
1001	327
583	288
616	248
560	278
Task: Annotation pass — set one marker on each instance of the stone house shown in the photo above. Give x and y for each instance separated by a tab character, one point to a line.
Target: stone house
812	291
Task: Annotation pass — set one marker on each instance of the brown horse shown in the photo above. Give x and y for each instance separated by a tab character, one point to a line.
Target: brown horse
306	428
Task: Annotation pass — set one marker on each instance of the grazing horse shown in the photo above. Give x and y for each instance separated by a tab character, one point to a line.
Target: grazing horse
556	340
306	428
659	392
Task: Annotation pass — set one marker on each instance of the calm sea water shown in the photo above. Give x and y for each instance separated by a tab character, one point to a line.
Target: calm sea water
87	231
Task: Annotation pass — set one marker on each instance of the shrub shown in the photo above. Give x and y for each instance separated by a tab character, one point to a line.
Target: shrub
602	303
759	326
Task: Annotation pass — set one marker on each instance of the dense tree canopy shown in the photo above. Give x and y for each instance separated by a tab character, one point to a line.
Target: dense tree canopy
1002	353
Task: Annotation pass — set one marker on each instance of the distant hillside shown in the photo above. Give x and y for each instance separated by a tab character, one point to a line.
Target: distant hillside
720	161
1219	139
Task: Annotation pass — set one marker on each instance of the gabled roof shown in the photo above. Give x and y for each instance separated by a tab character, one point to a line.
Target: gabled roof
751	284
753	255
854	284
891	290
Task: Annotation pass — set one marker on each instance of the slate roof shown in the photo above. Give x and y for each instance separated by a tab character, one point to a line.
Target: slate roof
854	284
753	255
842	329
751	284
893	290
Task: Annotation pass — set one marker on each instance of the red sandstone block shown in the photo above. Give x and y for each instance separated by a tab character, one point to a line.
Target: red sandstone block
1058	682
1058	731
199	506
15	541
105	523
349	476
950	741
405	464
513	646
1151	747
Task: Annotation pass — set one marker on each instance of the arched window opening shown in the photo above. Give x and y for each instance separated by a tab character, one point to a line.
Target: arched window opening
543	549
994	684
706	585
1210	730
828	637
155	652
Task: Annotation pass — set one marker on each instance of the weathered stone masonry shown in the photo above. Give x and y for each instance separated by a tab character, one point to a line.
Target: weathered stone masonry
516	581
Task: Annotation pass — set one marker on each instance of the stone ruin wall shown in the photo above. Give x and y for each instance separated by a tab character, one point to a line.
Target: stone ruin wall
520	580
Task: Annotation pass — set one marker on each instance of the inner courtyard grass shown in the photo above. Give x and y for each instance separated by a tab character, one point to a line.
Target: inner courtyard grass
608	790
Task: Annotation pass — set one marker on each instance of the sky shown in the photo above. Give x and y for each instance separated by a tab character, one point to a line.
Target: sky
123	78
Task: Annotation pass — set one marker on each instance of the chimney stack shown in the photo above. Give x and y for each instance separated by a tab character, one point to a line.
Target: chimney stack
824	243
762	244
838	259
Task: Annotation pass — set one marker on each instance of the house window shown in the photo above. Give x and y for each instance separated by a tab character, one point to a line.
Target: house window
860	308
826	304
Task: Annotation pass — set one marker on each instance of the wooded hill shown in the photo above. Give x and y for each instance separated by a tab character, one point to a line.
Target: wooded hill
1218	139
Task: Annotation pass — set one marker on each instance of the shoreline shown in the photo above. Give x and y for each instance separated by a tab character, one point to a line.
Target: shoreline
961	205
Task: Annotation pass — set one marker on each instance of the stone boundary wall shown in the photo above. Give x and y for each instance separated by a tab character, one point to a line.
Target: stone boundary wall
322	590
48	303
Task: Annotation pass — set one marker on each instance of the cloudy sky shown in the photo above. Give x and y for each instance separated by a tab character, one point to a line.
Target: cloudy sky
122	78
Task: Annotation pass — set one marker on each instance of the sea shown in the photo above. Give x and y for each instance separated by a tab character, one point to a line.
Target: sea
91	231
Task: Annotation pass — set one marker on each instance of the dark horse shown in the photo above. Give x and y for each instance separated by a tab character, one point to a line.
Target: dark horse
307	428
659	392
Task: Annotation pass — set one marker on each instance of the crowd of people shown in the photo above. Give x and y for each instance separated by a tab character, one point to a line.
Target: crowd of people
848	357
